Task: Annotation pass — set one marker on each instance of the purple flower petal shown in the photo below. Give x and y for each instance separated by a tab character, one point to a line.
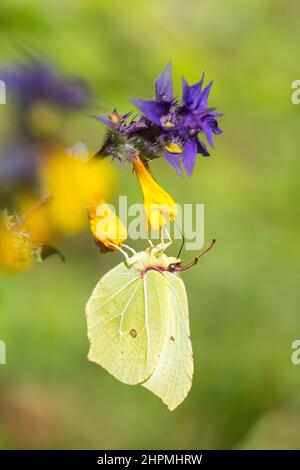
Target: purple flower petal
204	96
135	127
104	118
214	126
164	86
185	91
189	156
152	110
191	95
201	148
174	160
209	133
126	116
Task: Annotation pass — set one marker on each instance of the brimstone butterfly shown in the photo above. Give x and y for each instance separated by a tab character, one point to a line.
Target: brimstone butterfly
138	324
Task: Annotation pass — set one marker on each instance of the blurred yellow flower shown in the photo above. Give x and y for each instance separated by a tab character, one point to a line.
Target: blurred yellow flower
159	205
74	183
37	219
16	245
108	230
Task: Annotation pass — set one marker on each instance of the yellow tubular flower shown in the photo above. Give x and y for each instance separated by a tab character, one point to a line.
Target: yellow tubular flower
107	228
159	205
74	183
16	247
37	219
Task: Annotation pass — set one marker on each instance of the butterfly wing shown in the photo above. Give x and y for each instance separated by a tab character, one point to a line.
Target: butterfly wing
171	380
127	317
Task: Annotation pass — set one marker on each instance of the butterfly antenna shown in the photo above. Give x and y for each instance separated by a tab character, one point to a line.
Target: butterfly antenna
183	240
195	260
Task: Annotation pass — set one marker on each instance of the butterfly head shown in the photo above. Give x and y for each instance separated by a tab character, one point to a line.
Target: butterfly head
160	262
175	266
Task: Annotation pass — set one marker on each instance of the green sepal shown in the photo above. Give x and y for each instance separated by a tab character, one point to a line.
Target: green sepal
43	252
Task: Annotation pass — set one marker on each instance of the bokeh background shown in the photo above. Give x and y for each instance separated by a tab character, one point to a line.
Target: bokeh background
244	297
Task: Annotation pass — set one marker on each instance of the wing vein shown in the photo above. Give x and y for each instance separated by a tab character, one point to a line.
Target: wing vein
116	293
146	318
122	314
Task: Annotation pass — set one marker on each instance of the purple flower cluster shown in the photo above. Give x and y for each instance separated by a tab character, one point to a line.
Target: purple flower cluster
37	81
178	126
119	123
31	84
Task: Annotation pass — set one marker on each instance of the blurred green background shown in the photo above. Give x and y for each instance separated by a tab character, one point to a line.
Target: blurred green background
244	297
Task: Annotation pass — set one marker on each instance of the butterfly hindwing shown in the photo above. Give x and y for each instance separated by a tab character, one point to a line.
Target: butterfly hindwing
172	378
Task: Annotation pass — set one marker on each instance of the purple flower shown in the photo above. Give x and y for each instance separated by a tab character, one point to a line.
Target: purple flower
35	86
118	123
166	125
38	81
155	110
150	109
181	123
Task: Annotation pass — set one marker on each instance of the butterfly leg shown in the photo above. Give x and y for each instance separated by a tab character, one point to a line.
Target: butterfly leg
121	251
161	247
168	236
165	245
129	248
129	260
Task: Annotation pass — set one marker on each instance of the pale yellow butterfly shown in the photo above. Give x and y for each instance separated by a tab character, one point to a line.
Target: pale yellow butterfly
138	324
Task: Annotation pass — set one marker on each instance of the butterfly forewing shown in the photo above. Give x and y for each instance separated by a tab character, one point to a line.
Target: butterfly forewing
127	318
